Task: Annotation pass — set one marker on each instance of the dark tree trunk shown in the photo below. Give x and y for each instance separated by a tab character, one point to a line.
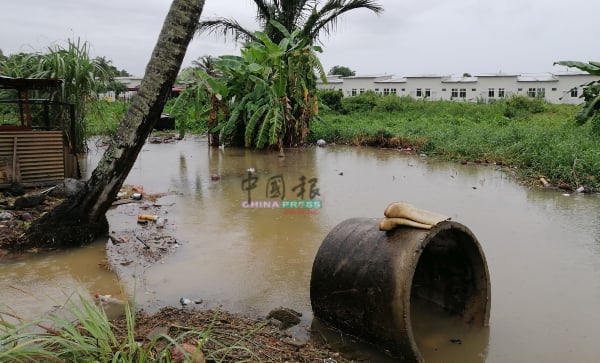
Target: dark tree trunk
81	218
215	106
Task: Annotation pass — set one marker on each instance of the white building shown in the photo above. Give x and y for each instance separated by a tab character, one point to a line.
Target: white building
557	87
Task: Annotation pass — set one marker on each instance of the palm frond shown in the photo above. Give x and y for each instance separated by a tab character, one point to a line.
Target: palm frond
325	19
225	27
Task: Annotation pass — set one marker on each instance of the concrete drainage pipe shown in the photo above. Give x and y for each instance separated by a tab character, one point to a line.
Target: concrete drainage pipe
364	280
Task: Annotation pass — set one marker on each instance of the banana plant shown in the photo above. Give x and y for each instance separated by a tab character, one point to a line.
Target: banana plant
268	90
591	93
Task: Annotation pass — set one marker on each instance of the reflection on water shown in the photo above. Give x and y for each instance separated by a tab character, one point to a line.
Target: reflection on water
443	338
542	247
39	285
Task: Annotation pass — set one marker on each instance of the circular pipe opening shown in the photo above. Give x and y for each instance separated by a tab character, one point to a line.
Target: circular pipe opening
451	274
449	292
381	286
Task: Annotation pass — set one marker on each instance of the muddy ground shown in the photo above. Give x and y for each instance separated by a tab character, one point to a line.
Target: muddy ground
14	222
252	339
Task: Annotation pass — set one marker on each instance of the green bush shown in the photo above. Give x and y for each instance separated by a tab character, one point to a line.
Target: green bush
394	103
522	106
331	99
365	102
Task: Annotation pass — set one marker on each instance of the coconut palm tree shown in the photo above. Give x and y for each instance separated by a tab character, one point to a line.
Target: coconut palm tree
81	218
306	15
207	64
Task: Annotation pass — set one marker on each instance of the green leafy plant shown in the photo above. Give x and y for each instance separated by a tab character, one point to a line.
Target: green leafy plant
266	91
331	98
81	77
591	94
394	103
363	102
104	117
519	106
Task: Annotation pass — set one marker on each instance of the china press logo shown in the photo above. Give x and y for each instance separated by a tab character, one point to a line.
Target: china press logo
305	191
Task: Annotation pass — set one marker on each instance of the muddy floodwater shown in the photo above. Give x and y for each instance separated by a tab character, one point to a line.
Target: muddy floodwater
542	247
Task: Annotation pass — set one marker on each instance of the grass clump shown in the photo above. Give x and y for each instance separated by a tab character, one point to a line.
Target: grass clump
87	335
104	117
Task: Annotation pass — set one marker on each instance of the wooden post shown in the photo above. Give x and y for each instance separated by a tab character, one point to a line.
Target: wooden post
15	177
47	115
27	110
19	101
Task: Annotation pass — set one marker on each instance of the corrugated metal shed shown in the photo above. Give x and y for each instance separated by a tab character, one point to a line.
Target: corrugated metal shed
32	157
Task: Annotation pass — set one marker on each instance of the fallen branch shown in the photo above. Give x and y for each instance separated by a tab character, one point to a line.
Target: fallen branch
143	242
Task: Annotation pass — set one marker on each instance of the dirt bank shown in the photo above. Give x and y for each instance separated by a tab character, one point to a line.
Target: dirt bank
250	339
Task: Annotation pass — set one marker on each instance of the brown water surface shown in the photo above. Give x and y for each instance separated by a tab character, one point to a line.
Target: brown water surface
542	248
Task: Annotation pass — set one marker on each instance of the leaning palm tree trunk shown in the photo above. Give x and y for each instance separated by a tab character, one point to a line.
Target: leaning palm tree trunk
81	218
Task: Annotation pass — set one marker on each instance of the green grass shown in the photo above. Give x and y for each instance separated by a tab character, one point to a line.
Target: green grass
87	335
539	139
104	117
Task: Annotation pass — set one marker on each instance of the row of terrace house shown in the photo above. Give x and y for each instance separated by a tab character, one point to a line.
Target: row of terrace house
559	87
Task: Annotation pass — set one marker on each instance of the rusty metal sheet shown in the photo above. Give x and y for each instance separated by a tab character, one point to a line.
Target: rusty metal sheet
39	155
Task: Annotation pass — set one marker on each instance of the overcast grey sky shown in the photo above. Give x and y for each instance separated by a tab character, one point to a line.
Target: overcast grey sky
411	36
